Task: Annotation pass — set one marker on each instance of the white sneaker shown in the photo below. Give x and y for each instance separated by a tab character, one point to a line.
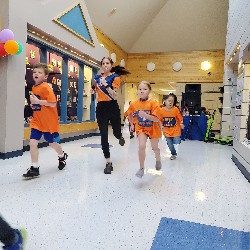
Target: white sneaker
140	173
173	157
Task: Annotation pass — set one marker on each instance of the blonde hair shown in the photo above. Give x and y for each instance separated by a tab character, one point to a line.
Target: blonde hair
144	82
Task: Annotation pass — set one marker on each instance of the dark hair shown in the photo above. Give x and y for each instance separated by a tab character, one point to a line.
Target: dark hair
171	95
111	61
42	66
117	69
144	82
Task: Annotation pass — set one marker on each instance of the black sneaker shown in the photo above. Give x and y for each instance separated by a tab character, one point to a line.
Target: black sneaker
121	141
62	161
109	168
32	172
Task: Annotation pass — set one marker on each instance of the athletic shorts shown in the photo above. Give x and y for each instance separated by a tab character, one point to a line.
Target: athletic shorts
50	138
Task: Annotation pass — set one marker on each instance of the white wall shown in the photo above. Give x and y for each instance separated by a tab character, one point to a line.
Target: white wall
15	15
238	32
40	14
12	72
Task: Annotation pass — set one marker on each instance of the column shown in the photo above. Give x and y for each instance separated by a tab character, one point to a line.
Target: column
64	92
93	97
12	86
80	92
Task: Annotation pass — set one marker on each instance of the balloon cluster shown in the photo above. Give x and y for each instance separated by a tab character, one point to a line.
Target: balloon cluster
8	46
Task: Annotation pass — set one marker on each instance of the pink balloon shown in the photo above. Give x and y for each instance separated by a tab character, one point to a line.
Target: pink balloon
6	35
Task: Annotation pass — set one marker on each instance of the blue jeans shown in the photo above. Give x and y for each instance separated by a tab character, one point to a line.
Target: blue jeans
171	141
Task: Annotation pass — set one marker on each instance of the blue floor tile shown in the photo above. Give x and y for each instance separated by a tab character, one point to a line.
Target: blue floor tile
179	234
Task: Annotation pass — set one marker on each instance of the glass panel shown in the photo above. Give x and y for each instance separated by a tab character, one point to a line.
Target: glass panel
86	93
72	100
55	77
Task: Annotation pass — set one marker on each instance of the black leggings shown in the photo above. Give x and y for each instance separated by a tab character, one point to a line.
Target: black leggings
7	234
108	112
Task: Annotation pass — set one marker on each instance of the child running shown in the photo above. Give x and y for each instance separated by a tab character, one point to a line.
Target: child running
146	125
106	85
44	121
172	122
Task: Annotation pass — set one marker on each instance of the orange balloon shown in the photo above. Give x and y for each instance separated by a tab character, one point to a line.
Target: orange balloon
11	47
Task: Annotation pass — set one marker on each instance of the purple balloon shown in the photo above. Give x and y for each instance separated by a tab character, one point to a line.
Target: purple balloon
6	35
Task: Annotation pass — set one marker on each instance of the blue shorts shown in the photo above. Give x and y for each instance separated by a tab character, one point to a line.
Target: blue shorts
50	138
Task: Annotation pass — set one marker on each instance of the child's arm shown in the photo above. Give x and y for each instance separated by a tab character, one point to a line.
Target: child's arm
180	118
130	119
35	100
147	116
115	86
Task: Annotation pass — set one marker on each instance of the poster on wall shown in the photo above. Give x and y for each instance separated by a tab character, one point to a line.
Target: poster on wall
72	98
55	81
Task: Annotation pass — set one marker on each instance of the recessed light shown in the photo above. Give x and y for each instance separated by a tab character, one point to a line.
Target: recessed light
112	11
168	90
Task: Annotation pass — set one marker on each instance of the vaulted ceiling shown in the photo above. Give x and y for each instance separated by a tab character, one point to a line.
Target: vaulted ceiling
140	26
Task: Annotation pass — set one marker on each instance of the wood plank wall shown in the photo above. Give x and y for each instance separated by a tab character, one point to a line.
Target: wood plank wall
191	67
111	46
190	73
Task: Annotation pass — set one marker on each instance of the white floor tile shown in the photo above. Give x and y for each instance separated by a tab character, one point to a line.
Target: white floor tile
81	208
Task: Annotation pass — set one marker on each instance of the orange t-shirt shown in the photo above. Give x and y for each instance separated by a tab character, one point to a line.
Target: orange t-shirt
45	118
113	80
142	125
170	120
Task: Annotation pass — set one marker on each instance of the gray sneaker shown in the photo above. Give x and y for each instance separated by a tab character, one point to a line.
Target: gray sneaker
173	157
140	173
158	165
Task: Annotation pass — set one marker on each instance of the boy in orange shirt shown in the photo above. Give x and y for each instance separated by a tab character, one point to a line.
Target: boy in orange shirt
44	121
172	122
146	125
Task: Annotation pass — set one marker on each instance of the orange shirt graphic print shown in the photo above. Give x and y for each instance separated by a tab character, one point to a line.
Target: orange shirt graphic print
169	122
142	121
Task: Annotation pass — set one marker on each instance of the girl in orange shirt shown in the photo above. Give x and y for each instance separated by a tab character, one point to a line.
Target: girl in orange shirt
106	86
146	125
172	122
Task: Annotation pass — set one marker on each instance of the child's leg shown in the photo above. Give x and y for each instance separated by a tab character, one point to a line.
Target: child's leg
34	151
115	121
176	143
171	145
62	157
7	234
33	171
142	139
57	147
155	148
103	122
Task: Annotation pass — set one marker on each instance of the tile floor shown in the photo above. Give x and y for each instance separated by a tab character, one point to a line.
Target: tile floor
80	208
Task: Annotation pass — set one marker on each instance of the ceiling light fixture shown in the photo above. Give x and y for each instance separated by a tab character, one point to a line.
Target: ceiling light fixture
206	65
113	11
167	90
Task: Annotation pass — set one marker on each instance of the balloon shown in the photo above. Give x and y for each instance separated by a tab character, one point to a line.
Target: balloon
2	50
11	47
6	35
20	48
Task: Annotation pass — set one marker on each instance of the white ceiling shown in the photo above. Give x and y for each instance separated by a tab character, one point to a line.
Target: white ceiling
162	25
